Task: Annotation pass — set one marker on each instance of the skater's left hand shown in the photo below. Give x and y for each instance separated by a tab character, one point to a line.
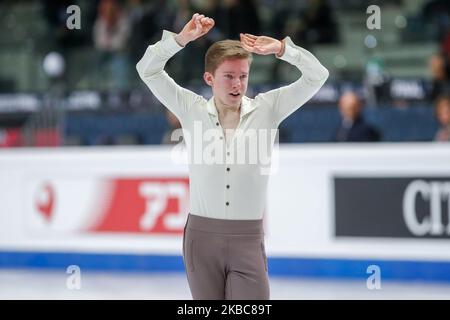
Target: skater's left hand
262	44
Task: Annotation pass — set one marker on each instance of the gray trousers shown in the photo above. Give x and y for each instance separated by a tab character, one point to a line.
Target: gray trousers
225	259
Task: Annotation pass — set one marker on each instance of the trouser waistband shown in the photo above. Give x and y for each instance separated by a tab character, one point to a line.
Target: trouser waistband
200	223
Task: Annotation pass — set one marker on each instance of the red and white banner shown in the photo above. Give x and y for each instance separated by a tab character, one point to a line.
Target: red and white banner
154	205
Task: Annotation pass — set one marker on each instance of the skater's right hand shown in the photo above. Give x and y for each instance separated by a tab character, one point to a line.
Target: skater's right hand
198	26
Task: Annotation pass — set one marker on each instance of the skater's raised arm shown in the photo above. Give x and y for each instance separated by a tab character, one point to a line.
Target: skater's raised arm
151	67
286	100
197	27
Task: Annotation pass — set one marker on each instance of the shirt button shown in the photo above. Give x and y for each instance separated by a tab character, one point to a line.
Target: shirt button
228	169
228	153
228	186
227	203
221	138
217	124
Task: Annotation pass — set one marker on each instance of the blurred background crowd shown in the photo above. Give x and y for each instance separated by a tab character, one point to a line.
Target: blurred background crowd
63	87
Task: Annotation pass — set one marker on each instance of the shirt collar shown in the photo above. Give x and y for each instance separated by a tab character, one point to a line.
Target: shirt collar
246	107
212	107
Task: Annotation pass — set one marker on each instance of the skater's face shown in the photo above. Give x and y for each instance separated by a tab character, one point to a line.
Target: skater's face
229	81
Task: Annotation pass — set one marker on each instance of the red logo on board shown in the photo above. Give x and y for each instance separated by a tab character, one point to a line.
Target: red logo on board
152	205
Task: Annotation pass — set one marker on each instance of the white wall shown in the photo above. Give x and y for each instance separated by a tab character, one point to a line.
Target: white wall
135	200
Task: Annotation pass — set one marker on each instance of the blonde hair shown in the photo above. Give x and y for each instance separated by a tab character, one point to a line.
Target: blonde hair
225	50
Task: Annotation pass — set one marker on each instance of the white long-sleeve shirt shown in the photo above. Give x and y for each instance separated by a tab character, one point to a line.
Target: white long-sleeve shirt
228	179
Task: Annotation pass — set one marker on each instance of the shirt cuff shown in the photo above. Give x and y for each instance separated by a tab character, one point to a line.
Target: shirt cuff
291	52
168	43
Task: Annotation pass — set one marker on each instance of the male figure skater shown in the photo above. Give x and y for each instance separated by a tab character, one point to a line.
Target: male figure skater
223	243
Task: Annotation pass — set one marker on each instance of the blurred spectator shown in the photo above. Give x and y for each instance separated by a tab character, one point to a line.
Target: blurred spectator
147	19
174	128
241	16
440	76
67	42
312	25
445	44
353	127
376	82
281	17
442	113
284	23
55	14
436	14
102	139
111	33
317	24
